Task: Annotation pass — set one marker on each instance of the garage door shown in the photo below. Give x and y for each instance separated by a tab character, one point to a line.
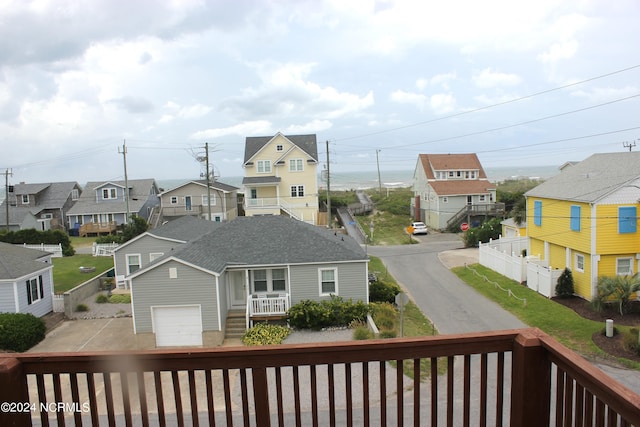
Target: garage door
177	325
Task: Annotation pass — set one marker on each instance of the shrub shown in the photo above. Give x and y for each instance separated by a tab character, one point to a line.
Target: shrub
564	286
309	314
265	334
20	331
631	341
619	289
34	237
102	298
82	307
490	229
120	299
388	333
362	332
383	292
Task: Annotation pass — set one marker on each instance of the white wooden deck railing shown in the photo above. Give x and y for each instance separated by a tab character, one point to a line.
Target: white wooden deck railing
265	305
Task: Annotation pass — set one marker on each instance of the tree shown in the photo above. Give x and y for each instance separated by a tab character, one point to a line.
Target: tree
134	227
619	289
564	286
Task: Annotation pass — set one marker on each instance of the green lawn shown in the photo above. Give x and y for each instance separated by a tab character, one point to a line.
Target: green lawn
66	270
388	229
560	322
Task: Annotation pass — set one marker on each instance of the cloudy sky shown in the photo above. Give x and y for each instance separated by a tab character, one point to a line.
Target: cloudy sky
520	83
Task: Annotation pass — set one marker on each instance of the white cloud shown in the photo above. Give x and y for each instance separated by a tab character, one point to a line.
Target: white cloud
311	127
258	127
184	112
604	94
416	99
561	50
488	78
442	103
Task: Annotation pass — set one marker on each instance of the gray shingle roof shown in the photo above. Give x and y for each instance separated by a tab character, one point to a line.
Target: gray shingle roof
215	185
268	240
591	179
16	261
49	195
307	143
185	228
139	194
261	180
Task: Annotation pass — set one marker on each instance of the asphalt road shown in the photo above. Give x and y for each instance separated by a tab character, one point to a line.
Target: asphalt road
451	305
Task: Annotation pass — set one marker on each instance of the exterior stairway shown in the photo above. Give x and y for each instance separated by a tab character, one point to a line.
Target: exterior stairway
236	324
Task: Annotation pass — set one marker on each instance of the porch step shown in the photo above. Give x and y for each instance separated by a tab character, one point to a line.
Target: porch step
236	324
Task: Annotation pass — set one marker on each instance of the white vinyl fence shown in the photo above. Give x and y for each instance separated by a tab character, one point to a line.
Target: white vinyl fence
104	249
56	250
505	256
58	303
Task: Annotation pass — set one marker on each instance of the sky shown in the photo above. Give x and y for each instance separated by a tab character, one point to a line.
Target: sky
519	83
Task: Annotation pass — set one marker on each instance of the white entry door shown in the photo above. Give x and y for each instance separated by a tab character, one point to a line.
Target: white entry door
238	289
177	325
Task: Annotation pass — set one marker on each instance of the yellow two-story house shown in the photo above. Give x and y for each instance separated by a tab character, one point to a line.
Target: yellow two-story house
586	219
280	176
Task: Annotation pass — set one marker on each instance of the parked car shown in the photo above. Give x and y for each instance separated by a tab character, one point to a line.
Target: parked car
419	228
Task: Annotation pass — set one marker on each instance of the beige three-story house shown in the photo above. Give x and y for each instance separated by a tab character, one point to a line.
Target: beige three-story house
280	176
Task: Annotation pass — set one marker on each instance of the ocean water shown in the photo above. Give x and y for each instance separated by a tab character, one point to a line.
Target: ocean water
390	179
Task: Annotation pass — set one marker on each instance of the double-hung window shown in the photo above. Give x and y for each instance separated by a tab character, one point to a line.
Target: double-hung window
109	193
278	282
624	266
297	191
296	165
328	281
35	290
273	280
260	281
579	263
264	166
133	263
25	199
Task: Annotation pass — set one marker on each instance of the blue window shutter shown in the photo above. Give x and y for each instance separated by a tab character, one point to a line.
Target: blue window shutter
627	219
575	218
537	212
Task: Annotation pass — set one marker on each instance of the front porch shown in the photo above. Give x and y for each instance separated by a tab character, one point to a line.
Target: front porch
261	307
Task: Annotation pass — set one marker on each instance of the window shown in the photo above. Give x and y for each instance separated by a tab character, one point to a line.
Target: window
133	263
173	273
205	200
579	263
35	290
451	174
328	281
75	194
482	198
264	166
297	191
627	219
296	165
624	266
279	147
46	216
25	199
260	281
109	193
537	212
445	200
575	218
278	282
174	200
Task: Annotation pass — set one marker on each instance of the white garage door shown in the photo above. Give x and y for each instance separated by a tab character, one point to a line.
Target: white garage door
177	326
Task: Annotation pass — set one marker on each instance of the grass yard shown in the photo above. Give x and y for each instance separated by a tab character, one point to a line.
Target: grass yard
66	270
560	322
388	228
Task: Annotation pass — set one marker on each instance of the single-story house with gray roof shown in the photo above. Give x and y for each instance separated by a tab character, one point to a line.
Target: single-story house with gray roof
152	244
26	280
257	265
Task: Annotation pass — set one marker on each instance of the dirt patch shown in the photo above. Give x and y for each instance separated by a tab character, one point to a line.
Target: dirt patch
613	346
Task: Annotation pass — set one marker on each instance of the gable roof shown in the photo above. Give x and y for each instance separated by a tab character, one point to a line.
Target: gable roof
266	240
306	143
434	162
17	215
17	261
181	229
592	178
52	195
139	195
217	185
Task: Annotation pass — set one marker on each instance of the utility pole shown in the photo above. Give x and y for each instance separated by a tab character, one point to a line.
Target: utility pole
629	145
379	181
126	179
329	216
7	172
206	149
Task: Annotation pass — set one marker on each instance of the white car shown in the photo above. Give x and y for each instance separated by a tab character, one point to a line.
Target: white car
419	228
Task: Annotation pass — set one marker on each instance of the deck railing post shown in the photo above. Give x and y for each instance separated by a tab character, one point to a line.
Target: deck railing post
14	394
261	397
530	381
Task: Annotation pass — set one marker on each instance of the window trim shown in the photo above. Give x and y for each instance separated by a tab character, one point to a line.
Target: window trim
577	263
111	193
173	200
297	191
269	280
279	147
205	199
630	271
335	281
24	199
265	165
39	289
296	165
75	194
139	256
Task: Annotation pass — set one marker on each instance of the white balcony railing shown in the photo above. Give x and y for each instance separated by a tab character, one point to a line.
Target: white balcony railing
266	305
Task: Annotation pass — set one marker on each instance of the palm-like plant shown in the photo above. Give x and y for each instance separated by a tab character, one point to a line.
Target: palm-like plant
618	288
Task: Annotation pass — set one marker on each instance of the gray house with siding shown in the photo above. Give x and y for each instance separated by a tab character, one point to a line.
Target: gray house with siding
195	199
257	265
140	251
26	280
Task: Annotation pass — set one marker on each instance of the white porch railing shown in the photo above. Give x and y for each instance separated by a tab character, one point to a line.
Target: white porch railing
265	305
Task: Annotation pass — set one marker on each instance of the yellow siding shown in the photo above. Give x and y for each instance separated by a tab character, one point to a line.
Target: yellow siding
607	264
537	247
582	280
608	240
557	256
556	227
